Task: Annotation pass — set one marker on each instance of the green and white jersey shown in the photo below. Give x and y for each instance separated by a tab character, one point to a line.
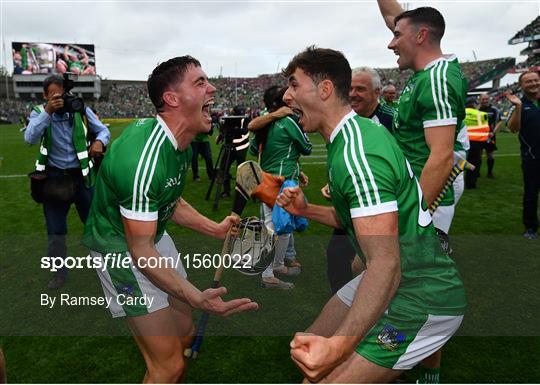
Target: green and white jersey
369	175
285	143
462	144
142	178
434	96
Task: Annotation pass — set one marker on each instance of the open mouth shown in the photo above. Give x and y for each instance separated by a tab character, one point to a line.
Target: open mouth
206	109
297	112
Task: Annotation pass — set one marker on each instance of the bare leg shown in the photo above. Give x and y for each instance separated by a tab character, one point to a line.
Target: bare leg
3	377
358	370
157	336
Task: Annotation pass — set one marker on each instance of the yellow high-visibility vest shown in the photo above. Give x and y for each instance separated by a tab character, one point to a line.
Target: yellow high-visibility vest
477	125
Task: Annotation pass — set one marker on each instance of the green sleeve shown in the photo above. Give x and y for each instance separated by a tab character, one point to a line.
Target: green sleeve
439	101
299	137
369	179
137	190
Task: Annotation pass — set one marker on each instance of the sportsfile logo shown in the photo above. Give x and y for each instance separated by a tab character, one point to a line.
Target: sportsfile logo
124	261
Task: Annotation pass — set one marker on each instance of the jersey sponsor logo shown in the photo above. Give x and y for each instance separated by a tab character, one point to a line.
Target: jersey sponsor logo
140	122
168	210
390	338
176	180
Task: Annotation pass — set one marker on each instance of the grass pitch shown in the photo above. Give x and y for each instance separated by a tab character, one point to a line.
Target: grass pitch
498	342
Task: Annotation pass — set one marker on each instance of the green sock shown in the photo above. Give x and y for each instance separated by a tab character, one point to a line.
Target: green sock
428	375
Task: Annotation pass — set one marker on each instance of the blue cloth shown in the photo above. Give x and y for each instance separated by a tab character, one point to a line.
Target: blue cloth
62	153
285	223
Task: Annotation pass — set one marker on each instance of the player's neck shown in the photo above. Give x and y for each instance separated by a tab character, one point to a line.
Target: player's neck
425	57
180	130
333	119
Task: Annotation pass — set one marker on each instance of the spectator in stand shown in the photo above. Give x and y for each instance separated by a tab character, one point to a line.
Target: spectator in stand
525	119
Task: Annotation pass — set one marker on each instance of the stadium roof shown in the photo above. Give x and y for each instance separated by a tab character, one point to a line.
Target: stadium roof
529	33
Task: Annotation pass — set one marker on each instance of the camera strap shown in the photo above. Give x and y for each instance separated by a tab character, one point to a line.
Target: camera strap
79	140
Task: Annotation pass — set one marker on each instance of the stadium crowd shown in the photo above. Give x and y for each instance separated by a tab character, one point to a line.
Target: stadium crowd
131	100
533	28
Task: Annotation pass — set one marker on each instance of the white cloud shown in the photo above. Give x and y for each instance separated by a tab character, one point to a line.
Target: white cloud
250	38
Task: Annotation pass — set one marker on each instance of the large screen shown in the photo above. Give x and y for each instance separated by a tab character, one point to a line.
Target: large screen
49	58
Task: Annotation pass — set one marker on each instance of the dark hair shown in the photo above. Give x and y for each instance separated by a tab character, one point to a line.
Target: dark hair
470	102
167	74
427	16
324	64
273	98
526	73
53	79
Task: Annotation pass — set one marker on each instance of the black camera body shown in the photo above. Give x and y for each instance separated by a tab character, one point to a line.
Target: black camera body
72	103
233	127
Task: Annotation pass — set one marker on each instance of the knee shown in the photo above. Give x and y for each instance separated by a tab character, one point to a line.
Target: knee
169	371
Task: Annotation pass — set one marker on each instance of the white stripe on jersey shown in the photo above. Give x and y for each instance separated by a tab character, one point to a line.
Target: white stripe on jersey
152	153
445	85
140	164
357	165
163	137
433	92
366	164
439	89
302	133
349	168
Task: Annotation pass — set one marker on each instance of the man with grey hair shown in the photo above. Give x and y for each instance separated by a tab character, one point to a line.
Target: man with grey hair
364	96
389	95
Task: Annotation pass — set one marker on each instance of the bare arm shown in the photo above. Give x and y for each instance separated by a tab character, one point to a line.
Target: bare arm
262	121
514	121
440	141
185	215
389	10
293	201
140	239
378	237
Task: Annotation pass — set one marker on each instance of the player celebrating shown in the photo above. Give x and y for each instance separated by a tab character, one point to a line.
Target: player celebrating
410	299
431	106
138	189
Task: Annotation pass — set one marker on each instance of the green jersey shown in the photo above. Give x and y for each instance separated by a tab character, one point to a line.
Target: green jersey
369	175
284	144
141	178
434	96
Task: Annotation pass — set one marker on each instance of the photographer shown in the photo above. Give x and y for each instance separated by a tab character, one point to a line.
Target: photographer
65	158
239	137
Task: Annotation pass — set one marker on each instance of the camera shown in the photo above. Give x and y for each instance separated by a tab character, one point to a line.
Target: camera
233	126
72	103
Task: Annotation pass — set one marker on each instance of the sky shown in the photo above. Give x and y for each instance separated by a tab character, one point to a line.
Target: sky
248	38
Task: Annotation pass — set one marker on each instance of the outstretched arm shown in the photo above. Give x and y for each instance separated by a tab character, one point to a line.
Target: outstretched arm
262	121
389	10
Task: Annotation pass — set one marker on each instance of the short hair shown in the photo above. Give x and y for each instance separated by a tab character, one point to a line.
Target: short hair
324	64
428	16
375	78
526	73
273	97
386	87
53	79
167	74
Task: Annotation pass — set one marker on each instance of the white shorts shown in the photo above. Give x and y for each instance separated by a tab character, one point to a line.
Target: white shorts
401	338
443	216
129	292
